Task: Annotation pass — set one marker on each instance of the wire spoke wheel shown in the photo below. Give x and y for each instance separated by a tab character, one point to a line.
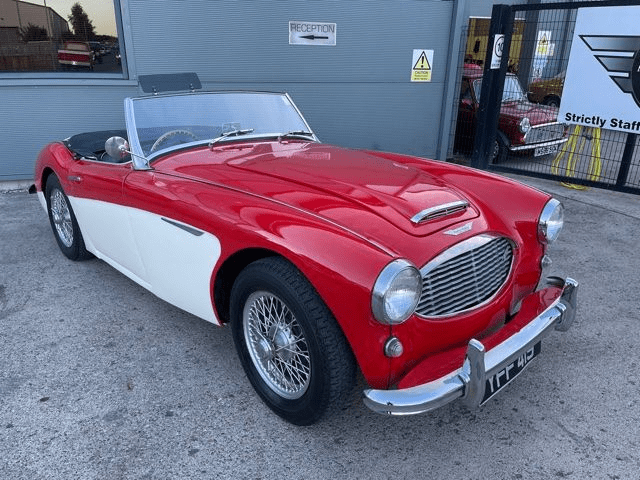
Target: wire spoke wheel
61	217
277	345
63	221
290	346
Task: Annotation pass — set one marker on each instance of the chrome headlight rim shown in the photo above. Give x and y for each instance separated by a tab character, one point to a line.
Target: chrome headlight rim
525	125
396	272
551	221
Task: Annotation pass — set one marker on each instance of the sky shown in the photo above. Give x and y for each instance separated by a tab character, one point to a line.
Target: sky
100	12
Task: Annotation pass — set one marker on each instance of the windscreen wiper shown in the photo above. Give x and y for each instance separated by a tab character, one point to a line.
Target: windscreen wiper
298	134
230	133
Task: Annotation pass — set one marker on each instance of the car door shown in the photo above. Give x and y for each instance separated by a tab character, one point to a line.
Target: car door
466	123
96	194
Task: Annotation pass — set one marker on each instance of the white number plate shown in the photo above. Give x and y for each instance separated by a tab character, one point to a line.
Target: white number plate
545	150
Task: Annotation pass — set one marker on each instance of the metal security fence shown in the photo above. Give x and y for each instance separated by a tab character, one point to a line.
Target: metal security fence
507	117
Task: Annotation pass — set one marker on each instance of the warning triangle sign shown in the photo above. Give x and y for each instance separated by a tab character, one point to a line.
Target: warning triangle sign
422	63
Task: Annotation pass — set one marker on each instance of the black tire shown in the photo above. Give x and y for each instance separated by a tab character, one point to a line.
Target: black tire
63	221
552	101
499	151
317	352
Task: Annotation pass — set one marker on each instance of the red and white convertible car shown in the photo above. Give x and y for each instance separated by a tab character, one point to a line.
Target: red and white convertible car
427	277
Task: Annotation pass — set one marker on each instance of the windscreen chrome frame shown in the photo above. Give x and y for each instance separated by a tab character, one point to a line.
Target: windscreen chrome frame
142	162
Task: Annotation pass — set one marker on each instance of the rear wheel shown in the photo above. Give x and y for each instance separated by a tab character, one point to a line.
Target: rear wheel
289	344
552	101
63	221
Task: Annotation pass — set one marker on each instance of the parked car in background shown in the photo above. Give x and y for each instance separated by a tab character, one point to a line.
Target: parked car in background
547	92
523	127
98	51
74	54
427	277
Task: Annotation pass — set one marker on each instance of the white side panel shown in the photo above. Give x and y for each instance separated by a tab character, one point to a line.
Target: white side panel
107	234
172	262
179	261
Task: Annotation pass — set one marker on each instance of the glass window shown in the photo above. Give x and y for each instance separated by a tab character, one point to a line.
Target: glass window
512	90
157	123
44	36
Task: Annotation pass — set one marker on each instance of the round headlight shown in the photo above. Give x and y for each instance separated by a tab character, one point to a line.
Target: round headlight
525	125
551	221
396	292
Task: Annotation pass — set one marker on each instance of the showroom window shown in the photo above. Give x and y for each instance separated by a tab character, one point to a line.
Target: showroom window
60	38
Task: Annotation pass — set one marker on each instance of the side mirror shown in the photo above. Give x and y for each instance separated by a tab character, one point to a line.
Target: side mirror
117	147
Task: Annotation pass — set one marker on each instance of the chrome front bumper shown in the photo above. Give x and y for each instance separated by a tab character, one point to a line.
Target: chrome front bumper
531	146
470	380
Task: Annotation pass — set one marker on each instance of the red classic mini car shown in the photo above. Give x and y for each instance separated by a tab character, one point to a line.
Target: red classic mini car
522	126
429	278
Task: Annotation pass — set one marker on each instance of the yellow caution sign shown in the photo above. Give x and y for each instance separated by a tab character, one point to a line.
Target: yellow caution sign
543	45
422	61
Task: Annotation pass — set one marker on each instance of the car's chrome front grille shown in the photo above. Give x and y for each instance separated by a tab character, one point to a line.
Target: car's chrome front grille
465	276
544	133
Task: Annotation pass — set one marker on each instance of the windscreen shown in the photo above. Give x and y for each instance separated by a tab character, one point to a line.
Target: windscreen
164	122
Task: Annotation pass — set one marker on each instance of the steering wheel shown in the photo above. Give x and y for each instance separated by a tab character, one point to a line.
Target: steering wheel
171	133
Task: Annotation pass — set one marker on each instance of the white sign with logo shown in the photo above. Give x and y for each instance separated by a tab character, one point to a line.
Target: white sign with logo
602	86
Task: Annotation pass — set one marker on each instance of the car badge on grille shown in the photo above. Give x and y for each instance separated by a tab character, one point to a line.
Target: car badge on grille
457	231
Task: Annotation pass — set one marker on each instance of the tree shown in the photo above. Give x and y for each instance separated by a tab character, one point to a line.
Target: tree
33	33
82	27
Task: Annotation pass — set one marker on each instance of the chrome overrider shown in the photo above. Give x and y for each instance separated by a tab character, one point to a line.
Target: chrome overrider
469	381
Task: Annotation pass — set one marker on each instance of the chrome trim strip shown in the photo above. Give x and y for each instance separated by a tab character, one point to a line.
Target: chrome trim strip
469	381
186	228
533	146
439	211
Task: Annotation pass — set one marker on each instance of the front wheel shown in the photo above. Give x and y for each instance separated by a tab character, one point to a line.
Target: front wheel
290	346
63	221
499	150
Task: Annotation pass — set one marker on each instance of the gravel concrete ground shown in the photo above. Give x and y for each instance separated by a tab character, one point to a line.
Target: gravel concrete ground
99	379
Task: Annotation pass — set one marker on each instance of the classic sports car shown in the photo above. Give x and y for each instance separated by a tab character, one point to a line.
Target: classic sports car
427	277
523	127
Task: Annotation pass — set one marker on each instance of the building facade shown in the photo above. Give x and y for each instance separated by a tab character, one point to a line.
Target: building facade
362	91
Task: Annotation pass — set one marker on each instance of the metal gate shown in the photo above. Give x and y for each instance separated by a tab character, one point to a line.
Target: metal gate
521	95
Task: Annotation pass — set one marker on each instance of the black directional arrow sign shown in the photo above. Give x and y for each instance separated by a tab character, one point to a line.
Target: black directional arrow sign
312	33
314	37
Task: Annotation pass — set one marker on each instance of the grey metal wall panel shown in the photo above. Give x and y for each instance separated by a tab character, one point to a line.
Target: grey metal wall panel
357	93
33	116
232	41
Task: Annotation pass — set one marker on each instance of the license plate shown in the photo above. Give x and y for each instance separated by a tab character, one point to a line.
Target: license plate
505	375
545	150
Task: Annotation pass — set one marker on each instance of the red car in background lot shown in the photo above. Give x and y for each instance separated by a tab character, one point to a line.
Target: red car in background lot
75	54
522	126
429	278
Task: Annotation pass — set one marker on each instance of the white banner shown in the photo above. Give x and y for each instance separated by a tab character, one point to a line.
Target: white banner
602	86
